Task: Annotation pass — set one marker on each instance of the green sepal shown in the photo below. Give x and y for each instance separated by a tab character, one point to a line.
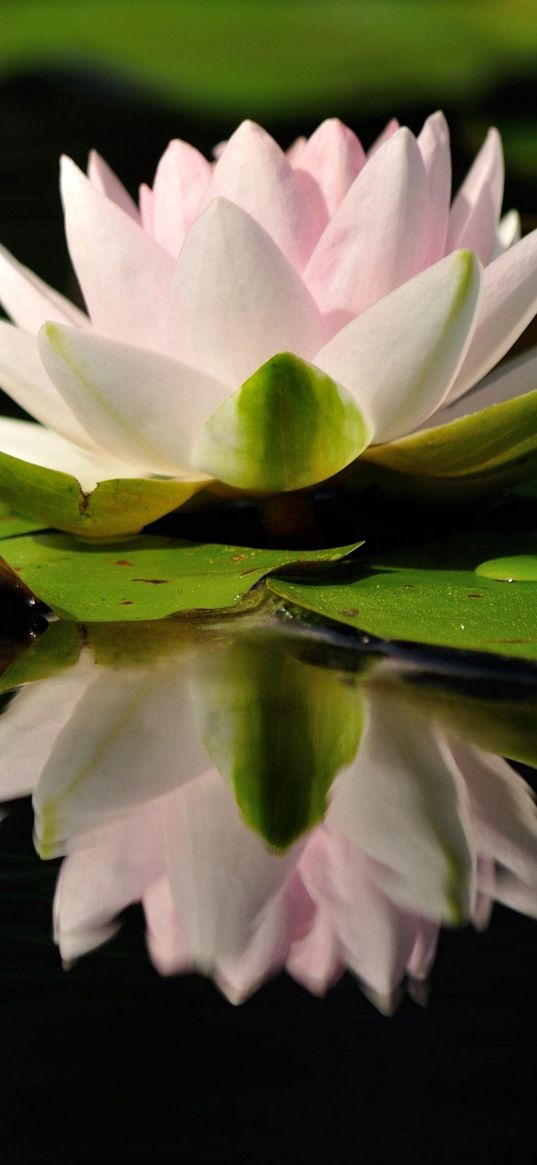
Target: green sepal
114	509
288	426
496	446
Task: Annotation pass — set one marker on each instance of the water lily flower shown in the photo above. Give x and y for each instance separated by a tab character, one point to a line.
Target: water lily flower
263	319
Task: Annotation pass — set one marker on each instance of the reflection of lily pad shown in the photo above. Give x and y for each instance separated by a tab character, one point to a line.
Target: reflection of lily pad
497	445
430	594
146	577
114	509
57	648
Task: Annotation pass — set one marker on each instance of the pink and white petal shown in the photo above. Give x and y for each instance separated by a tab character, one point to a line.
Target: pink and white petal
378	237
389	129
29	301
503	811
96	884
315	960
433	143
508	304
146	208
143	408
223	877
124	275
102	764
253	172
423	953
180	182
508	233
294	150
39	446
236	299
164	936
33	721
399	358
332	157
106	182
403	802
22	376
476	209
509	380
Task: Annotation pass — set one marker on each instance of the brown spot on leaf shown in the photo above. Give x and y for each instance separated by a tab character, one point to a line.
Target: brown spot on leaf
123	562
238	558
126	602
155	581
350	612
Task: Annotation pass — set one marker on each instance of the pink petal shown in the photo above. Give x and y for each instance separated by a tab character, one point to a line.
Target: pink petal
378	237
165	936
332	157
146	208
236	299
387	133
509	380
254	173
125	277
476	209
106	182
29	301
508	304
180	182
433	142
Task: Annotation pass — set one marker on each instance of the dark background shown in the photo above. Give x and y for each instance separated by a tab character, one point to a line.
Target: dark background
111	1063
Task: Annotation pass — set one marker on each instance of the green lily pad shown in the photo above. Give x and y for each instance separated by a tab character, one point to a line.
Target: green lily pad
491	448
114	509
288	426
429	594
519	568
146	577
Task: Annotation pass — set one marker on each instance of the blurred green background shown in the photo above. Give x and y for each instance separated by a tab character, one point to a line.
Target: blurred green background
127	75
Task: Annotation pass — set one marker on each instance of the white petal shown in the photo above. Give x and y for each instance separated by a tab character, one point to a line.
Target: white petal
222	875
39	446
253	172
103	764
144	408
378	237
332	157
31	724
106	182
508	304
508	233
22	376
476	209
124	275
512	379
236	299
29	301
389	129
400	357
403	802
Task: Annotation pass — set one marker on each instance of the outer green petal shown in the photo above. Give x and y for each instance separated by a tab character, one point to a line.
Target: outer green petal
114	509
288	426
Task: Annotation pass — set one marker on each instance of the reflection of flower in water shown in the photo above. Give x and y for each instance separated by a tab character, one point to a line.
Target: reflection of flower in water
356	265
419	829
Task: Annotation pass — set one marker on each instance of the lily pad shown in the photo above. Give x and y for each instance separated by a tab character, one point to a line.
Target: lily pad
146	577
496	446
519	568
114	509
429	594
